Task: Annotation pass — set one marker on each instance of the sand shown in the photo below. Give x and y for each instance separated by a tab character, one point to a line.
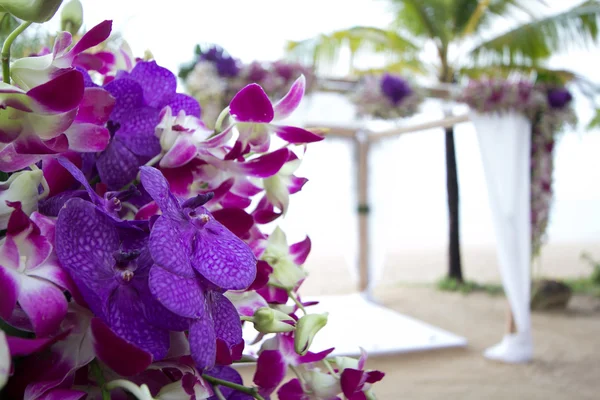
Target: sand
567	344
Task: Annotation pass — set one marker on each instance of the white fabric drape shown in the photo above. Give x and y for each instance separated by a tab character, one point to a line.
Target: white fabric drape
505	142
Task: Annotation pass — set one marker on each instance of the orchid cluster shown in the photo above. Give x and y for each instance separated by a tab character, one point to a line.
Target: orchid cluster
214	77
548	108
132	250
386	97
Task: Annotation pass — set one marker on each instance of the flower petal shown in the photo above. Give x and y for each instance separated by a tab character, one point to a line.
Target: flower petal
121	356
9	287
266	165
246	303
79	177
170	247
236	220
292	134
87	138
11	161
222	258
44	303
263	270
128	96
352	381
61	94
183	296
292	390
117	165
158	83
125	310
137	131
91	38
270	370
183	151
158	188
203	343
290	102
96	106
186	103
299	251
251	104
228	326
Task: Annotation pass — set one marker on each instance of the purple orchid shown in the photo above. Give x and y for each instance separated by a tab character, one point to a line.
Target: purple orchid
110	263
253	114
395	88
230	375
559	97
226	65
201	258
30	274
140	96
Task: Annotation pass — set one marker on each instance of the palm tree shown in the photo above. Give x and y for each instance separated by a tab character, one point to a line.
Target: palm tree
466	46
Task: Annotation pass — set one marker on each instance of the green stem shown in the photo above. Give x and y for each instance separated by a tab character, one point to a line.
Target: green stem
246	318
220	119
95	367
240	388
154	160
295	299
330	368
218	393
6	50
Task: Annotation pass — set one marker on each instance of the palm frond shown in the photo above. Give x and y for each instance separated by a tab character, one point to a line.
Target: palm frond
472	16
424	18
324	50
539	39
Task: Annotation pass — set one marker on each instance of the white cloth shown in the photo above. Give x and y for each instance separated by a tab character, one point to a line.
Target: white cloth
505	142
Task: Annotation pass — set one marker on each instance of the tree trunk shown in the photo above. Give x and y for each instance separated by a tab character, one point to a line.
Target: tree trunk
454	267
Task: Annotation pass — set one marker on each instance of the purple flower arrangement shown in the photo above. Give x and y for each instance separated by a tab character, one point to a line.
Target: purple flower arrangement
132	250
215	77
549	108
386	97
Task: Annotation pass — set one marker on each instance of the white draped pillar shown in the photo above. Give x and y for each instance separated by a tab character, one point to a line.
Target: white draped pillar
505	143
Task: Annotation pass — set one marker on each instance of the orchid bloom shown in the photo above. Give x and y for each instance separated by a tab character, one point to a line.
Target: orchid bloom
279	186
22	187
286	260
182	136
30	274
253	115
275	355
355	381
30	72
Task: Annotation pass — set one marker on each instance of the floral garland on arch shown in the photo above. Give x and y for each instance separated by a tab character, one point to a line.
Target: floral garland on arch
214	77
131	249
387	97
549	108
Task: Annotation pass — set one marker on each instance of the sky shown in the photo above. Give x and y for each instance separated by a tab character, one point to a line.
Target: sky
411	174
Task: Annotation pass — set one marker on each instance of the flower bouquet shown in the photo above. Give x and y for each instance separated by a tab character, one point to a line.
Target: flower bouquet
214	77
386	97
132	251
549	108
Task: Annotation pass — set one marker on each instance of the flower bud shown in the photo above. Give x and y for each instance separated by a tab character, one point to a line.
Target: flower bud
268	320
306	329
31	10
324	386
71	17
22	187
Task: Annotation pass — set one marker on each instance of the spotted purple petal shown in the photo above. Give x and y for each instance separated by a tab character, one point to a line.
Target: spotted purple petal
203	343
222	258
169	247
137	131
227	374
186	103
128	96
157	314
158	83
125	311
228	326
251	104
183	296
158	188
117	165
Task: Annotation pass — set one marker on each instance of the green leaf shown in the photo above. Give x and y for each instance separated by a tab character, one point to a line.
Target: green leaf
539	39
595	122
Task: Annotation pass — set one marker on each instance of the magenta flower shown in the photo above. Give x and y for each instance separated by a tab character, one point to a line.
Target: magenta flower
275	356
254	113
30	274
354	379
140	96
110	263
